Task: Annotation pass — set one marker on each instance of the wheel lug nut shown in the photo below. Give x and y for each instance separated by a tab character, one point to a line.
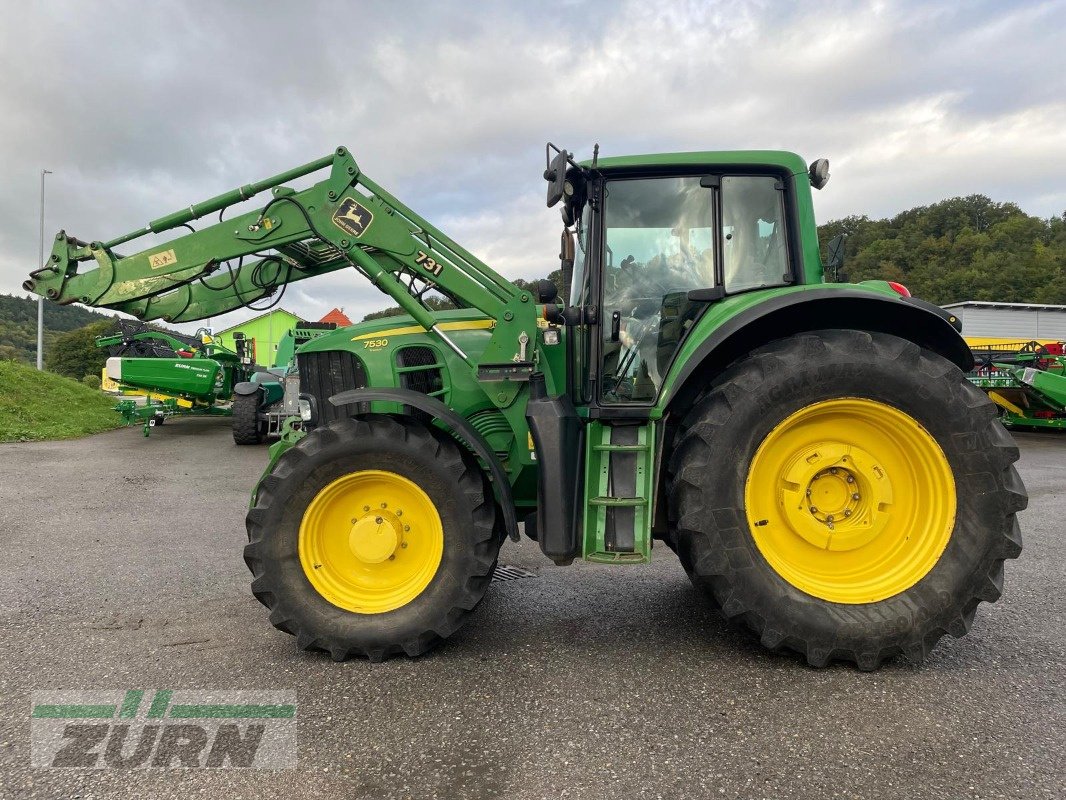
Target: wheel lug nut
847	512
855	496
851	479
403	544
378	520
398	513
833	471
808	493
384	505
366	508
353	521
829	518
814	510
392	557
406	528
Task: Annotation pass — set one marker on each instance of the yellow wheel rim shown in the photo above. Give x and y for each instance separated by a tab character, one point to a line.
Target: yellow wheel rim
371	541
850	500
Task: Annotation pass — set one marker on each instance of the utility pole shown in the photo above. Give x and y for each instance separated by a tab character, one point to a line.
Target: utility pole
40	299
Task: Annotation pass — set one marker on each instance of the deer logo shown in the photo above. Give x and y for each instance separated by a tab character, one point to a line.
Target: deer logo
352	218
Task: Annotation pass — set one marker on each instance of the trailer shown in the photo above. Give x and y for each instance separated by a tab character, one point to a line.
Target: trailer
1026	381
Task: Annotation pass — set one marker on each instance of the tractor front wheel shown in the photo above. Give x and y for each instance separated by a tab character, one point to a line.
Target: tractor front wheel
847	495
247	427
372	536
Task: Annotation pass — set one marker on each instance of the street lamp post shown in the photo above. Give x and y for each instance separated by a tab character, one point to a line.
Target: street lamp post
40	299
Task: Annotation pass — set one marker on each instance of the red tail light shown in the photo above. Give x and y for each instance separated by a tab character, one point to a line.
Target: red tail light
900	289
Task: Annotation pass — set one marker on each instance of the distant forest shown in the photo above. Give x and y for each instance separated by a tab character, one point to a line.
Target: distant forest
18	325
966	248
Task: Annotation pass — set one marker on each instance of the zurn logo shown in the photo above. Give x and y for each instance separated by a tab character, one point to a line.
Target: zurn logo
181	728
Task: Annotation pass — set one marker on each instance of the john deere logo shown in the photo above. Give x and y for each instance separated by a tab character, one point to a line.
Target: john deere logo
352	217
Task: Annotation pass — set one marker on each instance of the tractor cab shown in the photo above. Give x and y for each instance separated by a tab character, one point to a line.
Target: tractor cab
655	240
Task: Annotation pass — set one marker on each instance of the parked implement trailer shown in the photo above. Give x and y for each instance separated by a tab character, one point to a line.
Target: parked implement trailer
1027	381
812	452
179	375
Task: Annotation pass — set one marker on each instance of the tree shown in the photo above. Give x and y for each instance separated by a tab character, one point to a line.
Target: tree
963	248
75	353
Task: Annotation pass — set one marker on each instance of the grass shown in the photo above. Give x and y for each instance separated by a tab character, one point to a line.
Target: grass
42	405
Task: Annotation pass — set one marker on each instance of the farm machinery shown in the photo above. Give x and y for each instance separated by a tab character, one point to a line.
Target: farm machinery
811	451
263	403
179	375
1027	382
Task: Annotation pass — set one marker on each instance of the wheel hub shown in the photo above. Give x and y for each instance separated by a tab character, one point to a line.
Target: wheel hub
375	537
837	495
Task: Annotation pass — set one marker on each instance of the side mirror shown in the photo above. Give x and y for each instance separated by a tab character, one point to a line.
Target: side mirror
834	252
555	175
819	173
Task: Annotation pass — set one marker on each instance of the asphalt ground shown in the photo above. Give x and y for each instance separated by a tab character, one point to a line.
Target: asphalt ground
121	568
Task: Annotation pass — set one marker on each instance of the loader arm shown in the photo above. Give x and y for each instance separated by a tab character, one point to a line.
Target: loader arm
345	220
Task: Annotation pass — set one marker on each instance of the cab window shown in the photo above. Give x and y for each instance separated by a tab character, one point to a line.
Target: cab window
659	244
754	235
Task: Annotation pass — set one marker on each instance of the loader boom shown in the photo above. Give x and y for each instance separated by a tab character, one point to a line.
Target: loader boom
346	220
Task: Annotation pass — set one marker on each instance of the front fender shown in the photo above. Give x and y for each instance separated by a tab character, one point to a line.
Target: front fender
465	433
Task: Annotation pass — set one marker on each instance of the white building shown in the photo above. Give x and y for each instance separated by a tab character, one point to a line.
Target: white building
1017	322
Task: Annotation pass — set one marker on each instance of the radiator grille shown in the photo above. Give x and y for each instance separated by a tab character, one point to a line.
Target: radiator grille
327	373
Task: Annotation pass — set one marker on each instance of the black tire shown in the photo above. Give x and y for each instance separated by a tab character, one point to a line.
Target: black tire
247	427
450	477
720	436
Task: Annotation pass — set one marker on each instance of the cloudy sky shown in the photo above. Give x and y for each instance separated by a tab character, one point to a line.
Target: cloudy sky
141	108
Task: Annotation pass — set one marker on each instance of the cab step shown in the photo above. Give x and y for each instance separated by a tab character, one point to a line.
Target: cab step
619	485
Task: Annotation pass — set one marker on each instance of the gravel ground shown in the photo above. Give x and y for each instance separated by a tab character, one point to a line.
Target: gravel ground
122	569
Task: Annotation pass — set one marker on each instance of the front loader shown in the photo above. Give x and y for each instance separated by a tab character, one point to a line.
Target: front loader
811	451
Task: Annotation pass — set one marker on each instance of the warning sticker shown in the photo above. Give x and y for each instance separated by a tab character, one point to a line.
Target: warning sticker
164	259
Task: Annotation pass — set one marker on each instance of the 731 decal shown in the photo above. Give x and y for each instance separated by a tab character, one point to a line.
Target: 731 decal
428	264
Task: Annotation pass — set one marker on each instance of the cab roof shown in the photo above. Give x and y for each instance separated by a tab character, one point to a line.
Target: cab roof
718	158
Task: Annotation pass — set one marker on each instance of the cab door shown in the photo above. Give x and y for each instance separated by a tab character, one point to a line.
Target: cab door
659	242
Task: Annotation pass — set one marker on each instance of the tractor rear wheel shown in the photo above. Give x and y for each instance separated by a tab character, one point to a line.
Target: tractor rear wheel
847	495
372	536
247	427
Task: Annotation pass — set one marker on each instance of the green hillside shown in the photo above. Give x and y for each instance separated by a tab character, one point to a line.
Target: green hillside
18	326
965	248
40	405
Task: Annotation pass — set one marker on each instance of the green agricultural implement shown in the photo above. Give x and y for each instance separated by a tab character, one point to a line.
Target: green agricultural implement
812	452
179	375
1027	381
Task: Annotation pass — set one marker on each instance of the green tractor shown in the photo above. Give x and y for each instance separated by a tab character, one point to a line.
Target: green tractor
811	451
270	396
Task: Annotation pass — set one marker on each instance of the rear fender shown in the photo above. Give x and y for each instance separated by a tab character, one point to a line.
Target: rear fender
786	314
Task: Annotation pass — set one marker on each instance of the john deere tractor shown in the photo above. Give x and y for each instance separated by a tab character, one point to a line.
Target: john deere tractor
811	451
